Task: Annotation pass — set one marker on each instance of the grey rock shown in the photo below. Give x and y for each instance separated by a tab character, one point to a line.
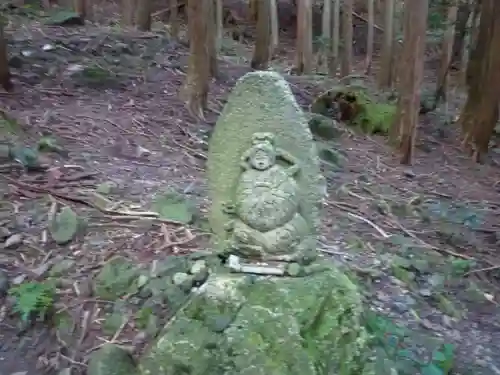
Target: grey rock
4	283
13	241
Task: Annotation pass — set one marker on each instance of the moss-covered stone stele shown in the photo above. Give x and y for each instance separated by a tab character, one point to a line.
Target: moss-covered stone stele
264	176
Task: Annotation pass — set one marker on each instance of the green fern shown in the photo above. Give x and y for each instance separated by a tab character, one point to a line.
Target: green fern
375	117
33	298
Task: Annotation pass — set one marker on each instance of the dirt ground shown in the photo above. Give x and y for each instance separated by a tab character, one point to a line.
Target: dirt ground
421	240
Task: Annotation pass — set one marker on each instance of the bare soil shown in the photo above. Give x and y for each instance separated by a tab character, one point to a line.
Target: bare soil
133	131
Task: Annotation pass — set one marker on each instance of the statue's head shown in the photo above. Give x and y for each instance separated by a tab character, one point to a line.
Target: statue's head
263	153
263	137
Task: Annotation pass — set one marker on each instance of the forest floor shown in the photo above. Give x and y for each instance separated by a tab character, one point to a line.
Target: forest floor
421	240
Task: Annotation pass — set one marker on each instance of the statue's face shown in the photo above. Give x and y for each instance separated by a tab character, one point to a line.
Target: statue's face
262	160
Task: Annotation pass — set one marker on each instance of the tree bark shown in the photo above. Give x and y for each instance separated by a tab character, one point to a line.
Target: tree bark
143	15
195	90
326	33
253	10
275	27
81	8
211	37
385	78
304	60
446	50
461	31
128	12
5	81
173	19
347	36
219	24
370	37
480	113
333	60
403	130
465	52
397	46
262	49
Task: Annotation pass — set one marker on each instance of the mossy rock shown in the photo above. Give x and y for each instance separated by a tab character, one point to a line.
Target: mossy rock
357	107
373	116
324	127
238	324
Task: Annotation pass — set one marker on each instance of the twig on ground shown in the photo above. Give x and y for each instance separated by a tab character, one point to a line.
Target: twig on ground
166	235
429	246
191	150
382	232
485	269
112	214
188	238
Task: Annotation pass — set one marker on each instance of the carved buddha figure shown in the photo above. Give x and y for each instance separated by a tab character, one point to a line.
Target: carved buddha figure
266	218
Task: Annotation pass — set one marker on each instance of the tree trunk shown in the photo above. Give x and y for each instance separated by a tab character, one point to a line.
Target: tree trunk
275	27
385	78
211	36
446	49
5	81
143	15
81	8
403	130
326	34
196	87
347	36
253	9
304	63
461	31
128	12
174	19
480	113
333	60
466	46
370	37
219	25
262	49
397	46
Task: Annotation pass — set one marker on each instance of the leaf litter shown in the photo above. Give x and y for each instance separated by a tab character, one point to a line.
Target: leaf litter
119	193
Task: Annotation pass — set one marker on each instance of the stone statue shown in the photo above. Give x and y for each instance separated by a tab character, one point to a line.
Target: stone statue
266	220
265	189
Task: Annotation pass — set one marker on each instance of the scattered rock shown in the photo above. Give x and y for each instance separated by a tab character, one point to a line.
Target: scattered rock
198	266
409	173
111	359
83	288
174	206
106	188
16	62
330	156
116	279
61	266
19	279
183	281
4	283
65	18
324	127
13	241
64	226
141	152
425	292
5	233
41	270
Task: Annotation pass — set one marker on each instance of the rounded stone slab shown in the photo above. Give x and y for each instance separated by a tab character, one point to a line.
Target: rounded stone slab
261	102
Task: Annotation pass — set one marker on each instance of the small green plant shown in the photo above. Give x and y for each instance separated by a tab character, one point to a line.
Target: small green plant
396	350
375	117
33	298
